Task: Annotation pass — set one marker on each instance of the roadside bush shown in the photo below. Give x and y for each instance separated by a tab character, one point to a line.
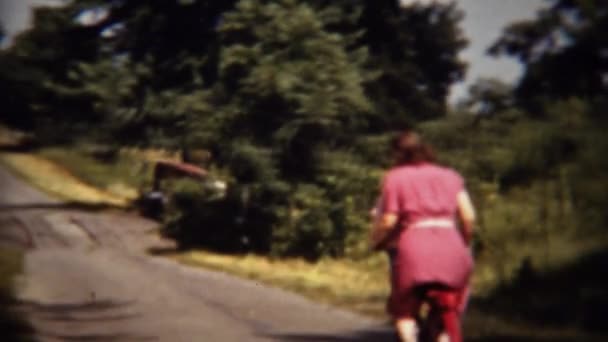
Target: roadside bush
263	214
196	217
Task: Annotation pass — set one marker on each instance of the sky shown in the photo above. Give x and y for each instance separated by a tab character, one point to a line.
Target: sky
483	23
15	14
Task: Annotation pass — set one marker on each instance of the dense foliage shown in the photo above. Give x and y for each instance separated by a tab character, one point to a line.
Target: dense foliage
564	50
296	100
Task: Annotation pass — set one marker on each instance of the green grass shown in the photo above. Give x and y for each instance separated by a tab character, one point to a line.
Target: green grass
508	314
512	235
58	181
360	286
122	175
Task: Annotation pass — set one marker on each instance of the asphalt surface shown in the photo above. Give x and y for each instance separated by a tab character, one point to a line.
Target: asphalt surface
88	277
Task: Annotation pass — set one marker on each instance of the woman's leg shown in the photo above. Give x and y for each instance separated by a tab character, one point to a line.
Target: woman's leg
407	311
402	305
449	302
407	329
451	322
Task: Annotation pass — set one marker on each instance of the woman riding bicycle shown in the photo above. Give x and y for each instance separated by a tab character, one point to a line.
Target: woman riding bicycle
419	210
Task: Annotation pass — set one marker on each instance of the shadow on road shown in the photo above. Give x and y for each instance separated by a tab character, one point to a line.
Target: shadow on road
358	336
166	250
507	338
79	318
13	326
92	306
101	337
90	207
389	336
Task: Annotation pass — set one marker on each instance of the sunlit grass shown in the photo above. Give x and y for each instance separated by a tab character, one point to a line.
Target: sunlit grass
357	285
121	177
125	175
59	181
511	233
361	286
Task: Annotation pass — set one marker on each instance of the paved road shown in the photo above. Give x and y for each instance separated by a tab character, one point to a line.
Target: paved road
88	278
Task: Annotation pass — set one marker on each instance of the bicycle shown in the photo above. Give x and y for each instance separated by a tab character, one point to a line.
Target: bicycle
438	320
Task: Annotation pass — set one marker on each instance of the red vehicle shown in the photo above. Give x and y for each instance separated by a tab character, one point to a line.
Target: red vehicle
152	203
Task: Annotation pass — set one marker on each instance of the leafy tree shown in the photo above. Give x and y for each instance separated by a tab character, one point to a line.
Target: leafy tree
563	49
284	94
146	84
177	38
413	52
288	87
38	60
489	96
133	112
416	49
286	81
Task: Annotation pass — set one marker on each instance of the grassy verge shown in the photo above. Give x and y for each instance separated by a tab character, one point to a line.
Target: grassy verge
60	181
362	285
121	176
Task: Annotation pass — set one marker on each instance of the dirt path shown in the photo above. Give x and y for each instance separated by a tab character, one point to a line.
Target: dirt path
88	278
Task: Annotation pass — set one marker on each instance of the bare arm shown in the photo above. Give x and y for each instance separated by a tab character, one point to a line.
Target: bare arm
466	214
382	229
387	212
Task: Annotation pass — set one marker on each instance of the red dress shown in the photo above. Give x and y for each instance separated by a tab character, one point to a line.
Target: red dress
424	255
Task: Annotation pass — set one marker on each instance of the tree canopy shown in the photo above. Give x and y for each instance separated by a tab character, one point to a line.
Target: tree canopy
296	101
564	50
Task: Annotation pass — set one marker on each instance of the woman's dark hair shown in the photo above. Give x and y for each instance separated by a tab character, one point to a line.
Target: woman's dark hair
410	149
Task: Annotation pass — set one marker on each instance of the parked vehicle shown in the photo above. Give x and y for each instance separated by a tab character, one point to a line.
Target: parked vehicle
152	203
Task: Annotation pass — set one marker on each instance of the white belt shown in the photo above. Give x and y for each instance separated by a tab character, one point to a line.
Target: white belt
433	223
